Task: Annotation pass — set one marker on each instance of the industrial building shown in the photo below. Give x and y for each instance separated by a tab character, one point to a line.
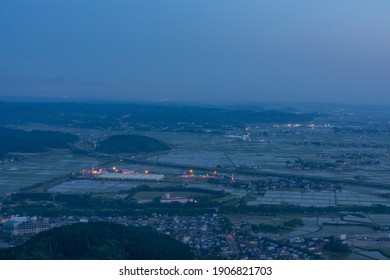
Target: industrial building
167	198
23	228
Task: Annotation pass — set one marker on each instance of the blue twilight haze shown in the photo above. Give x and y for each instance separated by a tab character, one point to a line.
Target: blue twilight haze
250	50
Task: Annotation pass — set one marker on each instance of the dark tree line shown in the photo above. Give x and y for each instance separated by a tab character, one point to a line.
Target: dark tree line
99	241
20	141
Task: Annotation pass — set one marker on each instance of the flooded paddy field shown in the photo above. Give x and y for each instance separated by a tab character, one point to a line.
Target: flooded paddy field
91	186
306	199
354	198
100	186
360	254
237	193
357	228
337	230
380	219
272	153
319	198
39	168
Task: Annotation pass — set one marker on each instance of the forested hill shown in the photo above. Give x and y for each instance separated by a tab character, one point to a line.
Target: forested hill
20	141
99	241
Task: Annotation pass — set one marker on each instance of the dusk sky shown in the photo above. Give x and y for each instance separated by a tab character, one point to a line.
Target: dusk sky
248	50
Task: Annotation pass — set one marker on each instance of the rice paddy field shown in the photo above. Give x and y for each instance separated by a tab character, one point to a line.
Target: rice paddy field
39	168
91	186
360	254
380	219
237	193
337	230
319	198
358	229
272	152
101	186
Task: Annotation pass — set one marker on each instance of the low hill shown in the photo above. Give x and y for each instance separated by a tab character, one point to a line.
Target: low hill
131	144
20	141
99	241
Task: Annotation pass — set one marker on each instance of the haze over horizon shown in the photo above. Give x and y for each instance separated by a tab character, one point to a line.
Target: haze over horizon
259	51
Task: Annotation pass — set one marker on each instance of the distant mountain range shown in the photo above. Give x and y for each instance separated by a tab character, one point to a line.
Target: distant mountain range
115	115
